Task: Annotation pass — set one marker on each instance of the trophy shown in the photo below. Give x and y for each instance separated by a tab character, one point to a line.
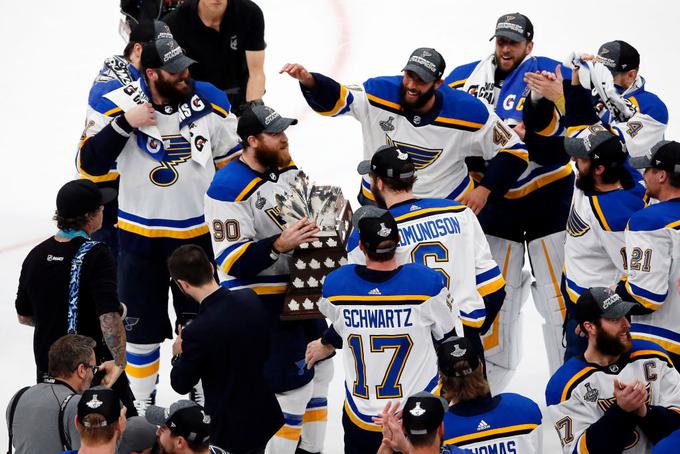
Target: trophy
311	262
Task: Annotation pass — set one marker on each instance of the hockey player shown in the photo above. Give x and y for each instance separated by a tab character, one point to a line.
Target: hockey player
385	316
476	420
653	252
621	102
437	127
622	394
251	244
118	71
167	134
512	221
438	233
604	200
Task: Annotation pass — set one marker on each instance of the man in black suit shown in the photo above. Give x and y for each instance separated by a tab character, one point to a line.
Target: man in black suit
225	346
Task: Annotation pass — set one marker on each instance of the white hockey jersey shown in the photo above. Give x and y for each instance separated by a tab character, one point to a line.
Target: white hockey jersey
387	325
240	209
594	254
580	393
445	236
653	253
506	423
165	169
462	126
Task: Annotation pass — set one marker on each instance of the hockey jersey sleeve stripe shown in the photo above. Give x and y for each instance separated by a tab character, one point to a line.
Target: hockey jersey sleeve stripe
552	127
366	190
488	275
234	255
219	111
539	181
162	233
648	299
668	345
113	112
491	434
384	104
457	83
642	354
491	287
458	124
573	130
597	209
155	222
340	104
357	300
673	225
111	176
523	154
249	189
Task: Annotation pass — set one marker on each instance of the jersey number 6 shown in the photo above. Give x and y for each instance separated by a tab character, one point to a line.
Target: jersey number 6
434	250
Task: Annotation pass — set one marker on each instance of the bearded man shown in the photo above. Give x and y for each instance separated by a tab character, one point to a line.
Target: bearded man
618	386
437	127
251	243
167	136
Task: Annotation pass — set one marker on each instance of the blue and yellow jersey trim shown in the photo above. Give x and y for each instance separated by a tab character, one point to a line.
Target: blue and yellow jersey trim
649	104
366	190
275	284
614	209
647	298
162	228
292	427
669	340
231	254
457	78
489	281
491	434
538	178
372	300
217	98
345	98
657	216
431	211
518	150
574	291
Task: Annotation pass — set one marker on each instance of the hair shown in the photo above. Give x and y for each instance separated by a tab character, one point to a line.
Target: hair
469	387
396	184
423	441
597	321
615	172
76	223
67	353
190	263
382	256
674	179
196	446
96	436
129	47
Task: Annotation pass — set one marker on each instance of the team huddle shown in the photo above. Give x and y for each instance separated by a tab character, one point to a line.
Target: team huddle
429	302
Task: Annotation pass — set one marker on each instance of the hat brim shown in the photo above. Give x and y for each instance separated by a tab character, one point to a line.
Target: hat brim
514	36
641	162
364	167
155	415
280	125
575	147
108	195
618	310
424	75
179	64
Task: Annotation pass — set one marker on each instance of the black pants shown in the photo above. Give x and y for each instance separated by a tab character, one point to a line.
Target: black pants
358	440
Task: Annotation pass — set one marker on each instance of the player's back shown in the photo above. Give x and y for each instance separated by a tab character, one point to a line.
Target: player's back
387	321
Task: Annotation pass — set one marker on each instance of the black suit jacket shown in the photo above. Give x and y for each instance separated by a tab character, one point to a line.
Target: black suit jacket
226	347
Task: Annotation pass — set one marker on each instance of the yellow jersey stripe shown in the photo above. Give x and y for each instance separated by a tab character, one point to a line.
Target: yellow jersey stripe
673	225
379	298
457	83
247	189
339	104
320	414
270	289
358	422
384	102
573	380
522	154
144	371
235	255
574	129
649	304
219	109
453	121
600	214
539	182
490	287
551	128
162	233
486	433
412	214
111	112
289	433
111	176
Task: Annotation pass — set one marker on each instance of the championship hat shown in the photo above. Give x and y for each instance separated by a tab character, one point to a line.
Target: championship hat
260	119
148	31
98	401
79	197
664	155
600	302
376	226
514	26
618	56
165	54
600	145
184	418
423	413
452	352
139	435
426	63
389	162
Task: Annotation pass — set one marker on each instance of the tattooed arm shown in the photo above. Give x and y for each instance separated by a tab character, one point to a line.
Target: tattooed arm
114	335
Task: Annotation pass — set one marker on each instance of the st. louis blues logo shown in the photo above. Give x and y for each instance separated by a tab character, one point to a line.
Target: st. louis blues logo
422	157
177	151
576	226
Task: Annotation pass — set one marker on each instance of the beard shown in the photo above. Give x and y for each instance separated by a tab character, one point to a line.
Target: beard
612	345
585	181
379	199
515	63
168	89
272	157
423	99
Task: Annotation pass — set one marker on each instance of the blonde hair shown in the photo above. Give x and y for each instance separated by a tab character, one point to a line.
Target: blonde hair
459	389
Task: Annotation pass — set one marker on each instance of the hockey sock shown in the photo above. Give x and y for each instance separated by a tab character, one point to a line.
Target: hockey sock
143	361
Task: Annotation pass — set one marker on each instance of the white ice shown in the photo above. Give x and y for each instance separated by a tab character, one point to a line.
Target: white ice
52	51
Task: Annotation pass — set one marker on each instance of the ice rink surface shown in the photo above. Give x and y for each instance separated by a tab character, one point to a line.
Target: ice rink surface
53	50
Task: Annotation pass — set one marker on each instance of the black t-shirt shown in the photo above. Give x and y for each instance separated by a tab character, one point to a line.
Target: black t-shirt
220	56
43	294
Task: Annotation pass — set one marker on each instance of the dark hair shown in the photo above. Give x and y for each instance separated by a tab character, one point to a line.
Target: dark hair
422	441
76	223
381	256
128	50
67	353
96	436
674	179
190	263
615	172
195	445
469	387
395	184
596	321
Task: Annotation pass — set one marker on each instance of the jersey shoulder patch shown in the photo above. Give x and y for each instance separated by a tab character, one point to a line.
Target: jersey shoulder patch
459	75
657	216
565	379
234	182
217	98
650	104
614	209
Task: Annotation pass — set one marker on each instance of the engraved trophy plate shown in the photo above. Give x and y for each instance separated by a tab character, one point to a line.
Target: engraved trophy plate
311	262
